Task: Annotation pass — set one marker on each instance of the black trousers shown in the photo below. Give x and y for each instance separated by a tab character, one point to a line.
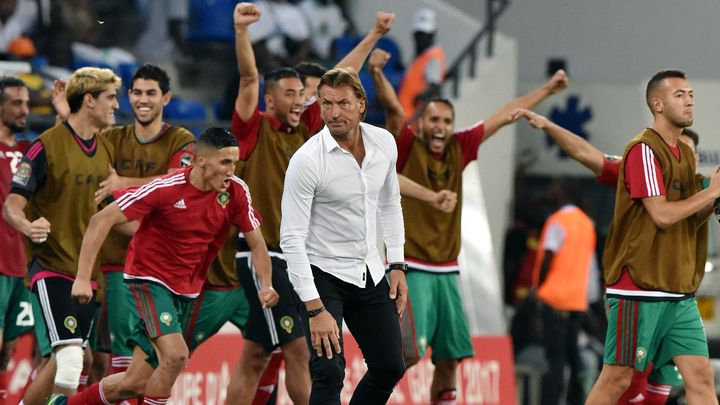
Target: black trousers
370	315
560	339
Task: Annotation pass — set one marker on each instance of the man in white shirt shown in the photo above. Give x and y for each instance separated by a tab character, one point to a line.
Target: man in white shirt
335	187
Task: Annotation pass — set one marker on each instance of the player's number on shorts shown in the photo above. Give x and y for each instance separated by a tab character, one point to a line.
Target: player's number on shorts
25	317
16	156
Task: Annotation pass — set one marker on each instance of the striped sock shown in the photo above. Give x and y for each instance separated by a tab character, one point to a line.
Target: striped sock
269	379
119	364
83	381
657	394
156	399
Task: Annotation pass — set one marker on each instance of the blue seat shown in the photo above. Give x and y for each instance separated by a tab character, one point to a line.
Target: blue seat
344	44
211	20
183	109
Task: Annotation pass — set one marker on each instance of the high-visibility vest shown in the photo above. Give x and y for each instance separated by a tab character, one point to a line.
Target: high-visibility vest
414	81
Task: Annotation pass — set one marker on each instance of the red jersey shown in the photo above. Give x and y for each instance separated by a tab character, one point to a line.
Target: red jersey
469	139
182	229
12	259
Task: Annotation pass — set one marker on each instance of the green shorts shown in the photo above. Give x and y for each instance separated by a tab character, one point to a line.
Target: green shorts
211	310
438	314
157	312
41	332
644	332
16	315
117	319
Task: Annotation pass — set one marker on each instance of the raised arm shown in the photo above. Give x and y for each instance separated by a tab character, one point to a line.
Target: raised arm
578	148
443	200
500	118
248	92
356	58
394	114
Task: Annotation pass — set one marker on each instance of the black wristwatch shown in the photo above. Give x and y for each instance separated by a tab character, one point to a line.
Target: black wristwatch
399	266
312	313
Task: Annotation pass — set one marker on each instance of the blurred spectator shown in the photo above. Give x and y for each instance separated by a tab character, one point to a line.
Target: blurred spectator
163	41
281	37
310	74
567	244
17	19
326	23
425	74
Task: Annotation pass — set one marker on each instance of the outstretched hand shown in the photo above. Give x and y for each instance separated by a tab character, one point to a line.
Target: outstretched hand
534	119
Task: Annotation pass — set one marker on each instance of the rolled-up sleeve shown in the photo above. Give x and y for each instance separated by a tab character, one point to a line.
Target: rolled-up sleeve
390	212
299	190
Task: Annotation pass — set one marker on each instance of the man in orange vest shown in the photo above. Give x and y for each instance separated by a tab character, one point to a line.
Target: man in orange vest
567	243
423	78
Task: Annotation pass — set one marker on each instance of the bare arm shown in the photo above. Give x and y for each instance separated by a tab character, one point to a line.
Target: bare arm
575	146
666	213
249	90
444	200
500	118
545	266
356	58
261	262
96	233
14	214
394	114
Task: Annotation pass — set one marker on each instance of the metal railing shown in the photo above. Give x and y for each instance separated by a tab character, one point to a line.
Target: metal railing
494	9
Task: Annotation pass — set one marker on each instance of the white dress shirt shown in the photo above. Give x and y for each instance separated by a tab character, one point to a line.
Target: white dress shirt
329	209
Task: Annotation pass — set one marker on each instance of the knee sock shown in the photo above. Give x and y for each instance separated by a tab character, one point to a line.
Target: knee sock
269	379
637	391
83	381
155	400
657	394
91	395
445	397
119	364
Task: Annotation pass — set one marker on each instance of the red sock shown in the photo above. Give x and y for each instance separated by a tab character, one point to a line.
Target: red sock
445	397
657	394
3	384
89	396
83	382
155	400
119	364
269	379
637	389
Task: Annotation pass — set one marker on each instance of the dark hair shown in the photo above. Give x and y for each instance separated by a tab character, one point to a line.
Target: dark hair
442	100
271	78
692	135
153	72
9	81
657	79
313	69
217	138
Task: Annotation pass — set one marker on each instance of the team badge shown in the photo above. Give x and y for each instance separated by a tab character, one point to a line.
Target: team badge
22	175
200	336
166	318
640	354
223	199
422	343
70	323
287	323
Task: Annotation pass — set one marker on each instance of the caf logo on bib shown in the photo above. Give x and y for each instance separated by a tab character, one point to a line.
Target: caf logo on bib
70	323
287	323
166	318
640	354
223	199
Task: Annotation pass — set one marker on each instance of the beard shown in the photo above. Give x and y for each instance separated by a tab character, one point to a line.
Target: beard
15	128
